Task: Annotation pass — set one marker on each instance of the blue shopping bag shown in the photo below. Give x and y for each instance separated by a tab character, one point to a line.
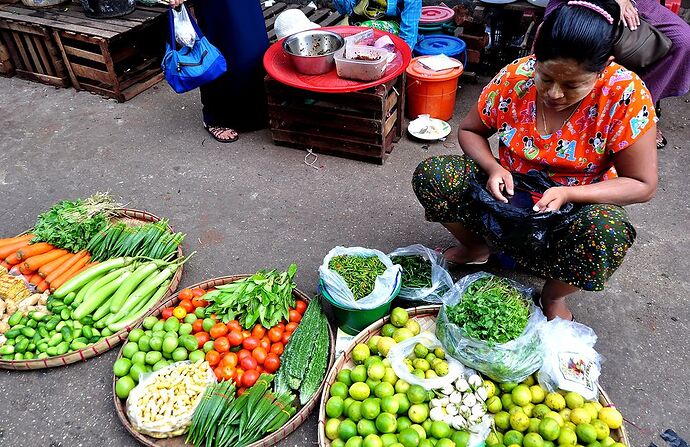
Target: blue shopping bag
188	68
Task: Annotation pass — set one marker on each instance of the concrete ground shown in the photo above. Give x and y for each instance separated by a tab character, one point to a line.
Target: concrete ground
251	204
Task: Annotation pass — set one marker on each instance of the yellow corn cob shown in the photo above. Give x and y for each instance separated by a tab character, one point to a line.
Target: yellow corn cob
12	289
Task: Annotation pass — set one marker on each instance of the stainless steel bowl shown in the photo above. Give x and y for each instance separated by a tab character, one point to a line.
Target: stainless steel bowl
311	51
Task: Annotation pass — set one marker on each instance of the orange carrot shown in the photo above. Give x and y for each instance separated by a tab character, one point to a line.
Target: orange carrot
34	250
45	269
6	265
13	240
8	249
12	259
72	271
35	279
42	286
50	277
25	270
34	262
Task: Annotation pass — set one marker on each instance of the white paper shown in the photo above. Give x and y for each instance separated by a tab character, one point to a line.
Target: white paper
439	62
269	3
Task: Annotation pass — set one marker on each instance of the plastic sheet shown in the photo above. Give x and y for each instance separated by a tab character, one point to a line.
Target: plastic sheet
441	280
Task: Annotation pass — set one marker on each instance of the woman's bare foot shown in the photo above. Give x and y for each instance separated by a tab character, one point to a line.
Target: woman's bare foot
660	139
222	134
461	255
553	299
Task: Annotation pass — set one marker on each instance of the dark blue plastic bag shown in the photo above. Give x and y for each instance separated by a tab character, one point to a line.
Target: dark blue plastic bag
188	68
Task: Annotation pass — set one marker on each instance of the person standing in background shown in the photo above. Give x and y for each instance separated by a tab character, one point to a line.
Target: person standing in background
236	100
670	75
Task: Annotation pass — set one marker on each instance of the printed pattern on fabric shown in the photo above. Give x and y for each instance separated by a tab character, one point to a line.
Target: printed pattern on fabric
597	241
617	112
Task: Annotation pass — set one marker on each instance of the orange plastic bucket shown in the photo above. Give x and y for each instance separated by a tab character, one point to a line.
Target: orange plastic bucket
431	92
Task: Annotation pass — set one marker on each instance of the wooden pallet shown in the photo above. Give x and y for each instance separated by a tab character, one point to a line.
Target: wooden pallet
361	125
322	16
117	57
6	65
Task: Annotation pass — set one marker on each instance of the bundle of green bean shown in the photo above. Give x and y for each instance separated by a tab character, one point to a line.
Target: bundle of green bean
358	272
416	271
151	240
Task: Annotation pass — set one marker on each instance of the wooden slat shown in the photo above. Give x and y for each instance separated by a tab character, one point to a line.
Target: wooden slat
125	21
82	71
333	19
332	146
47	63
25	63
70	72
59	25
131	92
326	121
42	78
36	66
95	25
134	75
23	28
78	52
274	10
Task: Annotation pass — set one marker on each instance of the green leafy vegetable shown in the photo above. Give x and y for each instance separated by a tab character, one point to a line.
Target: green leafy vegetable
151	240
358	272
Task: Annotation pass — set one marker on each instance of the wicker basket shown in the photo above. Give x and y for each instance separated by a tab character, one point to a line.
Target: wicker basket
269	440
426	317
109	342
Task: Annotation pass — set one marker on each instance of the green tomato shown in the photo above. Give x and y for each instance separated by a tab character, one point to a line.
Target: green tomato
185	329
189	342
208	345
139	358
159	326
149	322
143	343
208	324
190	318
153	357
197	356
136	370
156	343
135	335
170	344
160	365
172	324
129	350
123	386
200	312
122	366
179	354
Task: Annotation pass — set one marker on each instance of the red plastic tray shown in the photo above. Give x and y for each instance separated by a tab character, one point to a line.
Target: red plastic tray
280	68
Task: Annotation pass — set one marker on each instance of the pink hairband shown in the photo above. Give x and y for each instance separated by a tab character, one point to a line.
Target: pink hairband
593	7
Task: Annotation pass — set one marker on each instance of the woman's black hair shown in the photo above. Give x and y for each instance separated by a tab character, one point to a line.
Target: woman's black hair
579	33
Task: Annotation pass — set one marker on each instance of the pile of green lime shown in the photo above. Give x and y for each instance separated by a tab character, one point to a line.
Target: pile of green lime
527	415
426	363
157	345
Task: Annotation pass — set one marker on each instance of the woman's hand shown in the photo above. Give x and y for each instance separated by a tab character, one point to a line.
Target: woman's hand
552	200
500	182
629	15
175	3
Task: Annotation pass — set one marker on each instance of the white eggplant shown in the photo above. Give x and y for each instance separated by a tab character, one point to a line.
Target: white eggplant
455	398
459	422
447	389
444	401
435	403
451	409
462	385
469	400
481	393
478	410
436	414
465	410
475	381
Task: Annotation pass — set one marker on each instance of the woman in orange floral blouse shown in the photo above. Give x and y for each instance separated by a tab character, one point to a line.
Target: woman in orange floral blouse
572	115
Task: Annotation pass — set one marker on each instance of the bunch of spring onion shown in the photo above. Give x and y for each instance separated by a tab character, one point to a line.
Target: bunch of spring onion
152	240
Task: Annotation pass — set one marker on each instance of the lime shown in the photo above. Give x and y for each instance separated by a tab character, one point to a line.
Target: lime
567	437
413	325
586	433
425	443
538	394
445	443
532	440
611	417
358	374
386	423
135	335
512	437
594	444
347	429
570	425
389	439
507	386
370	408
332	428
420	351
420	430
372	440
384	345
592	410
384	389
490	388
355	441
123	386
338	443
371	343
607	441
403	403
502	420
529	381
403	423
376	371
432	359
555	401
371	360
421	364
354	411
440	353
401	386
540	410
371	383
557	417
130	349
573	400
441	368
344	377
426	425
516	409
580	416
528	409
519	421
546	444
347	402
430	374
389	404
460	438
399	317
409	437
493	404
136	370
402	334
387	331
440	429
495	439
419	373
521	395
389	376
339	389
418	413
507	401
334	407
360	353
416	394
366	427
602	429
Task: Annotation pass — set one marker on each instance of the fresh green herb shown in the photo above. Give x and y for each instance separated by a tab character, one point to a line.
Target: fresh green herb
416	271
71	225
358	272
151	240
265	297
491	310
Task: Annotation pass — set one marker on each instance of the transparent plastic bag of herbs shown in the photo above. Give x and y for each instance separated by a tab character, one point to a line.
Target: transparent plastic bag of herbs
437	279
511	361
337	287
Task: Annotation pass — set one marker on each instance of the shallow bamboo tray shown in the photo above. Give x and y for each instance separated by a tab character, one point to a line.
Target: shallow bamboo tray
107	343
426	316
270	440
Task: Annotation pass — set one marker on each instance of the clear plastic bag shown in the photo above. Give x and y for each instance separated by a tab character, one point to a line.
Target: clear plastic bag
337	288
167	427
570	361
184	30
441	280
506	362
400	351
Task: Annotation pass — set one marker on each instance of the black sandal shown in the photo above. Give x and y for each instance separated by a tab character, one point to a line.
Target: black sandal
216	131
454	265
660	143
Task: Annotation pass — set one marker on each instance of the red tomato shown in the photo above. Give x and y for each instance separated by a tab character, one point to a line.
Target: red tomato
272	363
201	338
295	317
290	328
240	391
221	344
218	373
198	292
243	353
265	343
167	313
198	325
300	306
186	294
229	359
238	375
250	377
235	338
248	362
212	357
187	305
218	330
234	325
259	331
259	355
246	333
286	337
250	343
197	301
227	372
275	334
277	348
280	326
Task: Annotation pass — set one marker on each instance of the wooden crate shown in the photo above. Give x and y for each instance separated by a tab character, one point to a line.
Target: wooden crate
361	125
322	16
29	51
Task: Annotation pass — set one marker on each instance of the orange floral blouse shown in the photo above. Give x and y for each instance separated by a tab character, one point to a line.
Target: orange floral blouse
617	112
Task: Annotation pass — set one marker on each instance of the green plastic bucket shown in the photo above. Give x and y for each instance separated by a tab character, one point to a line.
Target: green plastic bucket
353	321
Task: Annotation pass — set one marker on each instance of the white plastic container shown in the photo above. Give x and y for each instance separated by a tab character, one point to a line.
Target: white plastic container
359	69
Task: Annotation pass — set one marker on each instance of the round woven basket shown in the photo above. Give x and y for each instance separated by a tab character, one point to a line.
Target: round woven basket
426	317
109	342
270	440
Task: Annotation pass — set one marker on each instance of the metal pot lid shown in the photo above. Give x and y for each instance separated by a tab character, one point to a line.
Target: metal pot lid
436	14
440	44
